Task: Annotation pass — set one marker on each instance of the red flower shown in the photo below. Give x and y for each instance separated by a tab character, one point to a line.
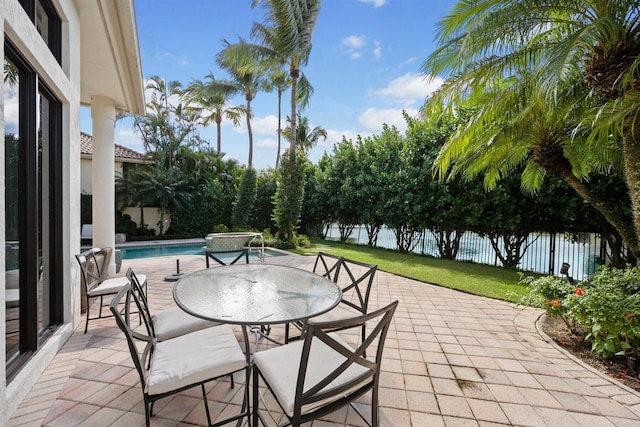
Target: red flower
629	317
554	303
580	291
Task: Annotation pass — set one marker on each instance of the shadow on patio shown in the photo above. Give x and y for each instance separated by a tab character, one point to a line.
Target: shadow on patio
450	359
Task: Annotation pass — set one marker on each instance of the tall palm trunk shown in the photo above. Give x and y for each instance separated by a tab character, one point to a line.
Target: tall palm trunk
551	158
294	84
219	132
279	125
631	155
248	98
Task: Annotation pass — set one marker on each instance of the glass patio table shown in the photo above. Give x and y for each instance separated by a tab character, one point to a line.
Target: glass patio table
255	295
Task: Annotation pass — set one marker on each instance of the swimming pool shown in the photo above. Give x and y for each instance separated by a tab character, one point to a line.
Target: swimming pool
175	250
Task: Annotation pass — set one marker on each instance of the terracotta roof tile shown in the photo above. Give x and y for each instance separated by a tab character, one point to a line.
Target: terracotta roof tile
120	152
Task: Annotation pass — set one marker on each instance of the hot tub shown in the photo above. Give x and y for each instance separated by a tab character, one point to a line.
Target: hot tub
231	242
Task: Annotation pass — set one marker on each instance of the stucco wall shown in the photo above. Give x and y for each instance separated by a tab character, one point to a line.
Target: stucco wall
151	218
86	177
64	81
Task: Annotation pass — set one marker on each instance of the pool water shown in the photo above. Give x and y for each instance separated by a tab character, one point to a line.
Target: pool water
174	250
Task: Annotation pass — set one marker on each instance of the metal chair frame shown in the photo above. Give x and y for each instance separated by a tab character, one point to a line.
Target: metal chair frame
353	388
143	359
92	278
327	266
358	284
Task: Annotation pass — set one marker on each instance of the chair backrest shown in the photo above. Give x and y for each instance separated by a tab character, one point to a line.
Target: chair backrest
348	386
140	354
327	266
136	288
90	268
355	279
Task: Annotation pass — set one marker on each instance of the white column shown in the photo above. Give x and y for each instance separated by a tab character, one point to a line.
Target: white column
103	116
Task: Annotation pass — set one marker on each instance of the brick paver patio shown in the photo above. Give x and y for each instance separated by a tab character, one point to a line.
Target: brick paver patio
451	359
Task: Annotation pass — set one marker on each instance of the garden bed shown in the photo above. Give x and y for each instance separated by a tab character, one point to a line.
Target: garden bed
615	367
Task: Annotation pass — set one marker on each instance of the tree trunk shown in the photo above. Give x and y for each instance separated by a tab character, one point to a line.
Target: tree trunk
279	125
248	97
551	158
631	154
219	133
294	84
448	242
372	233
345	231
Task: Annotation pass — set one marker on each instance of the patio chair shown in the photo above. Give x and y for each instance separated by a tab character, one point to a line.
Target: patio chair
94	283
327	266
169	367
172	322
356	280
330	374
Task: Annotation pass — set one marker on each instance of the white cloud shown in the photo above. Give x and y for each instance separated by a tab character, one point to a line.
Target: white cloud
129	138
408	61
267	125
267	143
334	137
409	88
375	3
149	92
373	118
352	45
11	109
377	50
354	42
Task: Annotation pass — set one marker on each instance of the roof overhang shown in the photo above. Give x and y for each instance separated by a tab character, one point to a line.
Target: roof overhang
110	54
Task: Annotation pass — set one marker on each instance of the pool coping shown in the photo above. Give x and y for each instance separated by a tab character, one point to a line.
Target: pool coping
184	242
174	242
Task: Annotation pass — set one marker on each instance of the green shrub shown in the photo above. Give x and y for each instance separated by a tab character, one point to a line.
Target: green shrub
609	309
606	307
301	241
550	293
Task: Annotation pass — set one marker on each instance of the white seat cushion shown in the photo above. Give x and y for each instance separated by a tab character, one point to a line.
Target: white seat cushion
109	286
195	357
173	322
279	366
339	312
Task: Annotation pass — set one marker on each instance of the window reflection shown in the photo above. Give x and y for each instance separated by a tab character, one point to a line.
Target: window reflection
44	143
12	248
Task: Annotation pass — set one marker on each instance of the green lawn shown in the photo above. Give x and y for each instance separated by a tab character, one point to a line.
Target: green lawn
478	279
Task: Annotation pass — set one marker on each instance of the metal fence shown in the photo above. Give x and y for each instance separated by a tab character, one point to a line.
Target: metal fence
545	252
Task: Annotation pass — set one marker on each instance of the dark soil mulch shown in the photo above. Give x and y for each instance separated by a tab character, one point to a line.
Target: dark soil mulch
616	367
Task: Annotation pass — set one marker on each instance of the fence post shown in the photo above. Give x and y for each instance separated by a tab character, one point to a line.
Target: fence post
552	253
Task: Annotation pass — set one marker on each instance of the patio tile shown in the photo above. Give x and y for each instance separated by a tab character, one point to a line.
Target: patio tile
418	383
522	415
451	359
484	410
454	406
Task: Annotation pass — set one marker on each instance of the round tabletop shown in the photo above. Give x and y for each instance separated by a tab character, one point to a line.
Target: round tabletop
250	294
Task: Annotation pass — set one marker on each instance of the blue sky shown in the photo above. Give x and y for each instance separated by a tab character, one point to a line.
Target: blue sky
364	65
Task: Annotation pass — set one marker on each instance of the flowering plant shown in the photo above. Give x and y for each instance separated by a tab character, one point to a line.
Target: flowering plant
550	292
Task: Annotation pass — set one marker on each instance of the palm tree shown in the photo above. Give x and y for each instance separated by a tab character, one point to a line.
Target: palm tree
286	36
211	100
278	79
511	125
247	71
168	124
597	41
307	137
